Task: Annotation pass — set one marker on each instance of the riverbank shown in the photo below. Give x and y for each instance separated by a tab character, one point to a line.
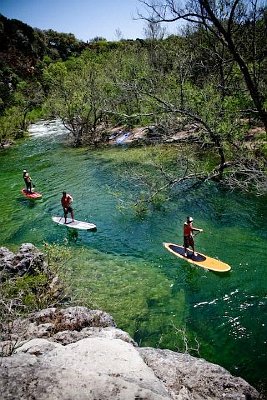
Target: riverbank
75	352
189	134
150	292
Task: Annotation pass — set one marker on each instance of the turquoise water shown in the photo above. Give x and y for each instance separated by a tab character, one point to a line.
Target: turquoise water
123	268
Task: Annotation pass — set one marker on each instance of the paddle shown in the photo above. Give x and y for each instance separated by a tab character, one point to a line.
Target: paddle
197	232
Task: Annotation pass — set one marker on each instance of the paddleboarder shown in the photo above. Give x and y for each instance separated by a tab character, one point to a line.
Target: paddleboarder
66	201
27	180
188	235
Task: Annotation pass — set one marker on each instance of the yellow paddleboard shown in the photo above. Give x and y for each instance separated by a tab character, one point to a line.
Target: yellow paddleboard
200	259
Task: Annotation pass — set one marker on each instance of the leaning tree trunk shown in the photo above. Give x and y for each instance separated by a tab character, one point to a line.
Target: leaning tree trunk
225	37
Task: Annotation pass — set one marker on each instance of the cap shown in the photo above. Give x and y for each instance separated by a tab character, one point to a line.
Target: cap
190	219
24	170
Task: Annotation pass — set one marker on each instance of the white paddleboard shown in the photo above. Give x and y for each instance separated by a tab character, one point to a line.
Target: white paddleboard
75	224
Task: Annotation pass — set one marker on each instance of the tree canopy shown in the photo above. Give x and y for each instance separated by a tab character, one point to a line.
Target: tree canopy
211	78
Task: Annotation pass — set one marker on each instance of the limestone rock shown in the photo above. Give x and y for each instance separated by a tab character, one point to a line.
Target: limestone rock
48	322
77	353
190	378
94	368
28	260
67	337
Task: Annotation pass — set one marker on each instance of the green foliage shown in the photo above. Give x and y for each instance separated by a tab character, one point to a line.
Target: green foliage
159	200
176	84
61	45
11	124
56	255
23	294
98	39
77	96
14	121
35	115
264	150
30	291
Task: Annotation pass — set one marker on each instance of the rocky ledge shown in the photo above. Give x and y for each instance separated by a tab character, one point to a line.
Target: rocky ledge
75	353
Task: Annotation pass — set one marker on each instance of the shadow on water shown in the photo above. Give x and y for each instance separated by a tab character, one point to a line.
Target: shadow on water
221	275
74	235
28	202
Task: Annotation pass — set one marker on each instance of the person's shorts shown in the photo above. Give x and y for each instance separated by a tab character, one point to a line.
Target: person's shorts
188	241
68	210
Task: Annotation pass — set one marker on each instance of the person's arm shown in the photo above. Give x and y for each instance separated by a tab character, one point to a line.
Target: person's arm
70	199
197	229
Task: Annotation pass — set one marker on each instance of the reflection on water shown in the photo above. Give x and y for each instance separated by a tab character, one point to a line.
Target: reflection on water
124	268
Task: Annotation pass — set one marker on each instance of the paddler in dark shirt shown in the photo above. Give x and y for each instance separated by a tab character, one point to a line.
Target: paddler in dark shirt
27	180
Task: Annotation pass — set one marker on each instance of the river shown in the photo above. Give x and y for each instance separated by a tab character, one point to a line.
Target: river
123	268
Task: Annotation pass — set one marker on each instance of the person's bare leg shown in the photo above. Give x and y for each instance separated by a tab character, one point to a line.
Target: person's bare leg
193	249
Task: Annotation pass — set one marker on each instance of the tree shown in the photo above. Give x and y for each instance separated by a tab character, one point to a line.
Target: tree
225	20
28	96
154	31
154	34
61	45
172	101
119	34
97	39
76	96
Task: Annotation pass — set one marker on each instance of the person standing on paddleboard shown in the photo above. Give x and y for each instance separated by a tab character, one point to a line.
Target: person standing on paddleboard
66	201
188	235
27	180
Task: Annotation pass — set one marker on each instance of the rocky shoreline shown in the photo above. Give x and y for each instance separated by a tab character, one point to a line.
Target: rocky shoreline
77	353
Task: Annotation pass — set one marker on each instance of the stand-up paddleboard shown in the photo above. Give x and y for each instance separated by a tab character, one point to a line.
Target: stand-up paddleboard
200	259
31	196
87	226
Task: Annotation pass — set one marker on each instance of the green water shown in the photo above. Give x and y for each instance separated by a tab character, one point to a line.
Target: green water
123	267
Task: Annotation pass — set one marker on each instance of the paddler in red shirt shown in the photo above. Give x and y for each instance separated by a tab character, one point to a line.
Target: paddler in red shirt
66	201
188	235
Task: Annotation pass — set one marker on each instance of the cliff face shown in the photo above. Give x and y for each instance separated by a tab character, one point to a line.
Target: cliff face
77	353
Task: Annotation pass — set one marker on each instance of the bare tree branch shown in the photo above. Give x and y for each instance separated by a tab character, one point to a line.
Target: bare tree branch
202	13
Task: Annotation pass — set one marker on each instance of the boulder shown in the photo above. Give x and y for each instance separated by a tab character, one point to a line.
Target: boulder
28	260
190	378
96	368
76	353
69	322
